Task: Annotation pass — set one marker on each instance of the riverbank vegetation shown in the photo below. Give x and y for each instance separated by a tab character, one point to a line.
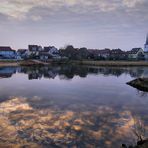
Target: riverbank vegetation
77	62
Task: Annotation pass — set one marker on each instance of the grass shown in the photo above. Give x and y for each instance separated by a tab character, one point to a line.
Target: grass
83	62
113	63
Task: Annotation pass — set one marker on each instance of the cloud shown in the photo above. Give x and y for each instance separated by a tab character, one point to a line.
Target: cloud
132	3
17	9
79	22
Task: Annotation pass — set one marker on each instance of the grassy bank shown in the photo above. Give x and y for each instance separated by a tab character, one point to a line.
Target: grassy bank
112	63
89	63
8	63
32	63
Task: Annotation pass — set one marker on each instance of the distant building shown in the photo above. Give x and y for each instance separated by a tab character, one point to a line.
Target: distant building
34	51
37	52
105	53
146	48
51	50
136	54
7	53
118	54
146	44
33	48
114	54
44	56
99	53
22	54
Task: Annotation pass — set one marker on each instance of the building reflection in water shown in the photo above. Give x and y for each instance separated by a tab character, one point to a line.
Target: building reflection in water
103	120
6	72
69	72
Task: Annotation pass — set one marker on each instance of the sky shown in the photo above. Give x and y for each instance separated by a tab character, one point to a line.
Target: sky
95	24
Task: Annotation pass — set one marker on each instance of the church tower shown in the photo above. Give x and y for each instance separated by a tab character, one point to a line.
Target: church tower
146	44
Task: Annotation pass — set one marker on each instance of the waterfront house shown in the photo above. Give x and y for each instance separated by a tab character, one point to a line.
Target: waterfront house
33	48
136	54
44	56
7	53
105	53
99	54
22	54
37	52
118	54
51	52
34	51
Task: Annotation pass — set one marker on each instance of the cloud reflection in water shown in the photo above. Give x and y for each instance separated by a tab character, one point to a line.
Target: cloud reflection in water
82	125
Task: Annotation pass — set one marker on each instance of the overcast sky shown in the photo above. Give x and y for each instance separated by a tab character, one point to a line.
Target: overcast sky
82	23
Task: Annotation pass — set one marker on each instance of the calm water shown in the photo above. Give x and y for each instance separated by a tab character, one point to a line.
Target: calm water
70	106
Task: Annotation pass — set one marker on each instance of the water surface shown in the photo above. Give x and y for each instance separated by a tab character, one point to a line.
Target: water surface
70	106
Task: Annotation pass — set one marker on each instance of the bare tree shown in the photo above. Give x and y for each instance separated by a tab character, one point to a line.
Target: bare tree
139	129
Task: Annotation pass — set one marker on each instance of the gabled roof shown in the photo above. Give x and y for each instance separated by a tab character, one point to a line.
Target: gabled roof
48	48
5	48
134	50
31	47
22	51
104	51
117	51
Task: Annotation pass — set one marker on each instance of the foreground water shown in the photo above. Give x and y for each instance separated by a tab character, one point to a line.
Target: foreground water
71	106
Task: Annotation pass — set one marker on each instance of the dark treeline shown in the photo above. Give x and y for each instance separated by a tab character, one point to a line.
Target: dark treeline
75	53
104	54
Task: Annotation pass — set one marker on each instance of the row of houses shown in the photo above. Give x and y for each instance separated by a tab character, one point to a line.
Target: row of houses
37	52
51	52
118	54
33	51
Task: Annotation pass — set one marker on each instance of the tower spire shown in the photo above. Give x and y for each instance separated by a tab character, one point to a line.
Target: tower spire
146	39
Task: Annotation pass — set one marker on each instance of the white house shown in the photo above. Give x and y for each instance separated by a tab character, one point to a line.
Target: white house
7	53
136	53
44	56
52	51
45	53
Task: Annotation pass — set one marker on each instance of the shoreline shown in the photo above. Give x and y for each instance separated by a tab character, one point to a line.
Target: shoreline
112	63
6	64
86	63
